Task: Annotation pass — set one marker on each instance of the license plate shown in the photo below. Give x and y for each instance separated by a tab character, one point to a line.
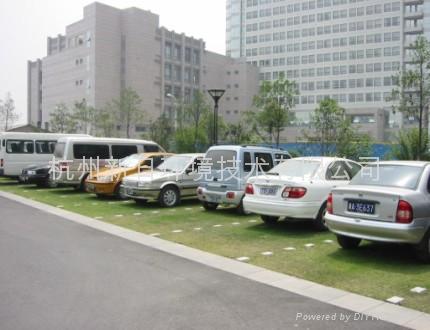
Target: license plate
268	191
361	207
213	199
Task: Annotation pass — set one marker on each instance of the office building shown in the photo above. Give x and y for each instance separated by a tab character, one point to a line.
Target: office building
110	49
348	50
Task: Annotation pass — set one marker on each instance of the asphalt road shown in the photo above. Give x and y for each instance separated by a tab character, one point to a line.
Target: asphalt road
55	274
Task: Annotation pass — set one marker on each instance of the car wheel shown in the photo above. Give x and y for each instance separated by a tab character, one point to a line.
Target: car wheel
422	250
117	192
319	222
169	196
348	243
83	186
210	206
268	220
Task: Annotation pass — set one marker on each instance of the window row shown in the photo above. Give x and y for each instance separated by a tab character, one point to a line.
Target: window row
348	83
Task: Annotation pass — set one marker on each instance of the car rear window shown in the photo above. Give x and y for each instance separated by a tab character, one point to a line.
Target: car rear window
399	176
297	168
221	159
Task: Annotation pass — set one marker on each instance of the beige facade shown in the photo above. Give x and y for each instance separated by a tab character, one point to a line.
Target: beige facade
111	49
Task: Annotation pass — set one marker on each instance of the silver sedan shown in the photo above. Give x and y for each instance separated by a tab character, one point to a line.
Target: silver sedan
385	202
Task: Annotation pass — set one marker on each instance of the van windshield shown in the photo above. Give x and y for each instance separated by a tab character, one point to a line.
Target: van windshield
220	159
59	150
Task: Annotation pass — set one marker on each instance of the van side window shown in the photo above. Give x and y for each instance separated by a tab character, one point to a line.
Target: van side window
279	158
263	161
121	151
19	147
247	162
91	151
151	148
157	160
45	147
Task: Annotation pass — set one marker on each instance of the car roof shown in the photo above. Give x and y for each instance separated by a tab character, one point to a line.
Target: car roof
152	154
247	147
416	163
190	155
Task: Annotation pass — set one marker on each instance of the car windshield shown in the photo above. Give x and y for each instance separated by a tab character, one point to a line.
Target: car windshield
297	168
400	176
174	164
131	161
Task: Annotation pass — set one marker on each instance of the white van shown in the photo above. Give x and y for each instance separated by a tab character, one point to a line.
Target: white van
76	157
19	150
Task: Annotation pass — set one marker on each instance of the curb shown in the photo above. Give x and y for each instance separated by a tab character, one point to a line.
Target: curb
395	314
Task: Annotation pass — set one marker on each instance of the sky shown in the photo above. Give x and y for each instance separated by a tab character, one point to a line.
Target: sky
26	24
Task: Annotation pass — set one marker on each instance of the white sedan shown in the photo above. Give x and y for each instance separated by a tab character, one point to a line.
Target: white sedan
298	188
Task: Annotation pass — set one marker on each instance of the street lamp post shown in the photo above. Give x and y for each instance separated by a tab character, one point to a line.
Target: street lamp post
216	96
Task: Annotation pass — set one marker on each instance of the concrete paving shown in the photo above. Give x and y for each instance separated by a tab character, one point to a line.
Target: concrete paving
58	274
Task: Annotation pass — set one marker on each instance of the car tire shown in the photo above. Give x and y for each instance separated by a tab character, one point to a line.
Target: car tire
169	197
422	250
83	185
210	206
117	192
319	222
269	220
348	243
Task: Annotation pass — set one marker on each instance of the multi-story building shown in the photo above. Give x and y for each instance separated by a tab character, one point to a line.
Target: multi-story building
348	50
112	49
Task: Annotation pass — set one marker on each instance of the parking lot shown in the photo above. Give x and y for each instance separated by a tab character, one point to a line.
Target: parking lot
294	248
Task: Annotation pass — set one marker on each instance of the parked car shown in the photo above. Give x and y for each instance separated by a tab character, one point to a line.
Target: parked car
76	157
19	150
227	168
108	181
175	178
298	188
387	202
38	175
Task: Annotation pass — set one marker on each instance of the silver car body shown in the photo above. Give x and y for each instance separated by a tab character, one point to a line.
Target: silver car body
381	225
148	185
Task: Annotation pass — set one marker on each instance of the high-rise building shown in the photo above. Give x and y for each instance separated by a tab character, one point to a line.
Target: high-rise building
112	49
348	50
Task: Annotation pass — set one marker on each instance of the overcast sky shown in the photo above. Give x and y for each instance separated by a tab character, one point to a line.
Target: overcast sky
25	25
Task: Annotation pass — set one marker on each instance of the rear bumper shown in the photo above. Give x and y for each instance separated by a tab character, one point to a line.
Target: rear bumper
34	179
376	231
299	210
220	197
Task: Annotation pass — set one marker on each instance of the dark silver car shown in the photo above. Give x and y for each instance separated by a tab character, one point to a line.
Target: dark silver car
385	202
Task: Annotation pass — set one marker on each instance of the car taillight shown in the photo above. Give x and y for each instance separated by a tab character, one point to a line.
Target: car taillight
249	189
199	191
329	206
404	212
230	195
294	192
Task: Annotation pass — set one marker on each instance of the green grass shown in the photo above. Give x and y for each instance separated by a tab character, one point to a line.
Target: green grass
375	270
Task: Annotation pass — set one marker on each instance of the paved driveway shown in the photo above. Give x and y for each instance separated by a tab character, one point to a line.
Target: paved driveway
55	274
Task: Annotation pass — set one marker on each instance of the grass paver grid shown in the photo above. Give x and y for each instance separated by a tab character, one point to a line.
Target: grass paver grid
379	271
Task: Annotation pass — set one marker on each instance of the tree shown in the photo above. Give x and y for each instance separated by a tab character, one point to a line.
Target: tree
8	116
106	120
413	87
408	146
196	113
241	132
162	130
275	101
335	134
62	120
128	109
85	116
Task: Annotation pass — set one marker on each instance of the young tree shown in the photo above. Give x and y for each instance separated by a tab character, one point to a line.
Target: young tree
105	120
413	87
8	116
128	109
408	147
62	120
241	133
85	116
275	101
162	130
197	112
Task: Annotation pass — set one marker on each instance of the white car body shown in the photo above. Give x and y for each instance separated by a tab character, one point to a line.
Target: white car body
315	176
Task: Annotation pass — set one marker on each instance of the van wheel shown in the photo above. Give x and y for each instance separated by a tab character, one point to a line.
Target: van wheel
422	250
240	210
348	243
319	222
82	186
169	196
268	220
210	206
